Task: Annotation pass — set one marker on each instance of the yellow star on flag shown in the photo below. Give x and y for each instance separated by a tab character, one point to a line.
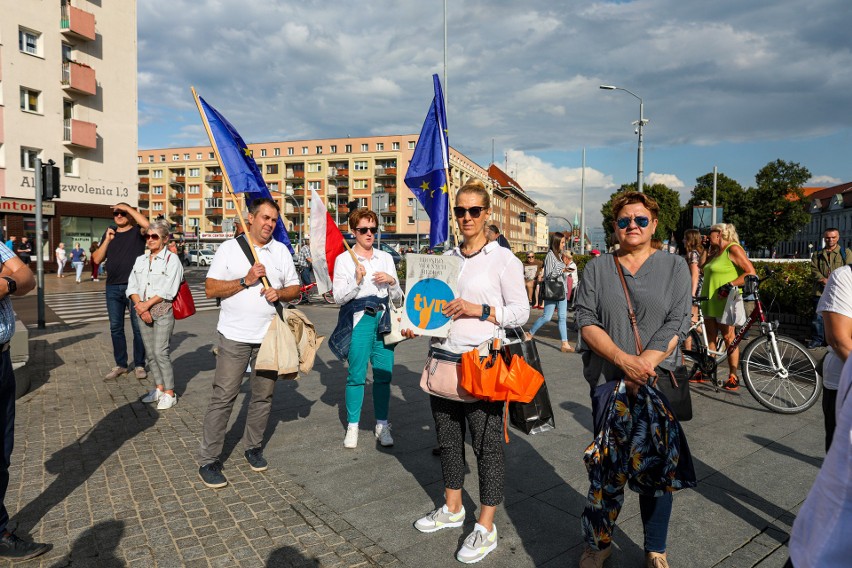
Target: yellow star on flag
424	186
247	152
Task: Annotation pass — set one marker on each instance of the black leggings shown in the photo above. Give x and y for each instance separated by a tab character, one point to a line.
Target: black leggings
485	420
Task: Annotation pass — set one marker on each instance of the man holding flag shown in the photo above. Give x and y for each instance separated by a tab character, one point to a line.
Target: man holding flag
428	173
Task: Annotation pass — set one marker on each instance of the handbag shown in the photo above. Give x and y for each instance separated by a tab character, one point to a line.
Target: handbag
553	289
183	305
675	384
535	416
441	376
734	312
278	352
394	336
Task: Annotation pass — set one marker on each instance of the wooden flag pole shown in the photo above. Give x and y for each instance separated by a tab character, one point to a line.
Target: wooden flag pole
227	182
451	199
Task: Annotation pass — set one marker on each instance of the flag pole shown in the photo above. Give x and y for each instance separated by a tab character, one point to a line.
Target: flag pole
227	182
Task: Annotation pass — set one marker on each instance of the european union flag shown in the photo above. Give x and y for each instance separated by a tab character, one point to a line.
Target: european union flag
238	163
427	172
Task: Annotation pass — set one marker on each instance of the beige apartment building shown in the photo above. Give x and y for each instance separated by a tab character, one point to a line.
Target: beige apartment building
67	94
185	185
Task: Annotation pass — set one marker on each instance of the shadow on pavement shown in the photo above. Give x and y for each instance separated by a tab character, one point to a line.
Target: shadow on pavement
44	355
74	464
787	451
96	547
289	557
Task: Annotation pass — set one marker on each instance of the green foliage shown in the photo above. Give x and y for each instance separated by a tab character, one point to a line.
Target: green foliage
790	290
730	195
668	199
400	270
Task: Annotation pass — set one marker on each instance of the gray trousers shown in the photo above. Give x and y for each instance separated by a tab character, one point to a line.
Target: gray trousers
156	338
231	365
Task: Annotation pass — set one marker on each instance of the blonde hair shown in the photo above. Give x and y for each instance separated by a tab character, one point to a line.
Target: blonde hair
727	231
477	187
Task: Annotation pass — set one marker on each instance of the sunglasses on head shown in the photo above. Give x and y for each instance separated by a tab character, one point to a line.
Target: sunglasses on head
641	222
363	230
475	211
119	214
152	236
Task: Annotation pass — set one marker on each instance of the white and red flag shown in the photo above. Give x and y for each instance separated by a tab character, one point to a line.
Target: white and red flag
326	243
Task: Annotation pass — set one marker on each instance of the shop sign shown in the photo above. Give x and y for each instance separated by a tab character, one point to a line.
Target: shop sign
211	235
26	206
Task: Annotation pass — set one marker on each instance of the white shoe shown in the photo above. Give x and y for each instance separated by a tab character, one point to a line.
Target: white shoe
478	544
351	439
153	396
440	518
383	435
166	401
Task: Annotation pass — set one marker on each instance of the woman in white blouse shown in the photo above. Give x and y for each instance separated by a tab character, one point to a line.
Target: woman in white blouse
362	289
153	284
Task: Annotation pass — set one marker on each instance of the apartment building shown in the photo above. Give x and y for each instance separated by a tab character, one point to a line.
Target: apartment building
514	212
66	97
185	185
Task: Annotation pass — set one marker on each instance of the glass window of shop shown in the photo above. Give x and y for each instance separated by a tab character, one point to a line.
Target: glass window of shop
83	230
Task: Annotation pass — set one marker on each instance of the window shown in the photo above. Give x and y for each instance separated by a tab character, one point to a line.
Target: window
276	152
157	174
380	146
523	217
210	156
273	186
271	168
319	149
67	51
157	206
194	172
304	150
192	221
395	145
229	203
411	144
157	190
349	148
69	165
151	159
186	156
411	202
315	185
360	165
410	220
263	152
194	189
29	41
162	157
138	159
314	167
30	100
175	157
28	157
193	204
198	156
333	149
359	184
365	147
290	151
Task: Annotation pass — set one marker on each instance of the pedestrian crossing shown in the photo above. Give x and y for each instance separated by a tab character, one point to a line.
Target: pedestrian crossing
85	307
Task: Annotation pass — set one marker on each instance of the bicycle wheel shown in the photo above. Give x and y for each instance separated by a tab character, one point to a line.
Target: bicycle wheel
788	386
328	297
697	340
298	299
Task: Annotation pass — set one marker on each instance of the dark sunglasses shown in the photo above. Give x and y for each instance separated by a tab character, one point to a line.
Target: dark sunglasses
641	222
119	214
152	236
363	230
475	212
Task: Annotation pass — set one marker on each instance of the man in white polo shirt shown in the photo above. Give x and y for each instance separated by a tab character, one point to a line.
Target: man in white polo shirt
247	310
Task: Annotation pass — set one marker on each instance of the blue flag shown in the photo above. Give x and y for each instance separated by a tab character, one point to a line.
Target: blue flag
242	170
427	173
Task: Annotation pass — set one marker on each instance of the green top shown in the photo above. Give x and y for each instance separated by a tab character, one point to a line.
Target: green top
717	273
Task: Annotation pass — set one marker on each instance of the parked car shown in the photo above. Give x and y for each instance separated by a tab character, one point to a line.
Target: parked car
201	257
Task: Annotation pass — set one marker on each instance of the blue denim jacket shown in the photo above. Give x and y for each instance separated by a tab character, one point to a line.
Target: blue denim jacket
342	334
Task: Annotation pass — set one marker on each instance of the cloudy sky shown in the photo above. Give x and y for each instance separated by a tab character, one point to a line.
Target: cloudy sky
728	83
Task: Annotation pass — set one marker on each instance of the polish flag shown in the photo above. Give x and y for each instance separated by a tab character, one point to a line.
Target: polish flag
326	243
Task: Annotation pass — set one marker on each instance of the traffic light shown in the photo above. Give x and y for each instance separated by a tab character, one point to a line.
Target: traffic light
50	181
196	231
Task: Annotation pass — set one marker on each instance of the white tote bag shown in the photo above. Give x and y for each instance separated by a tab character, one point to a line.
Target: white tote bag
394	336
734	313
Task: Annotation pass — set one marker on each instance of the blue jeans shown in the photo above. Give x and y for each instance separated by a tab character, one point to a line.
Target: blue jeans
7	423
656	512
307	276
117	304
548	313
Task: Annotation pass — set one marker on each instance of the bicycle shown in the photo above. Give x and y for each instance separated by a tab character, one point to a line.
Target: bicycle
778	371
305	293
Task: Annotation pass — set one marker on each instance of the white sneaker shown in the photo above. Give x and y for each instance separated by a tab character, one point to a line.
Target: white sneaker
351	439
440	518
153	396
383	435
478	544
166	401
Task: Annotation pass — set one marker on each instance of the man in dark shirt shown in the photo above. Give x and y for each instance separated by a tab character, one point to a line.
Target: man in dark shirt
492	233
25	250
121	244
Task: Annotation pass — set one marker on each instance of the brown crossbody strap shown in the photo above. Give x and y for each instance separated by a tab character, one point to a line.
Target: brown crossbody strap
630	313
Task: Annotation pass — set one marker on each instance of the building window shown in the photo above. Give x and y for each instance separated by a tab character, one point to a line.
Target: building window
194	189
30	100
411	202
194	172
157	206
411	144
210	156
186	156
359	184
151	159
395	145
365	147
276	152
263	152
28	158
290	151
138	159
29	41
194	204
314	167
349	148
175	157
157	174
192	221
69	165
198	156
380	146
273	186
523	216
360	165
157	190
315	185
319	149
271	168
333	149
304	150
229	203
162	157
410	220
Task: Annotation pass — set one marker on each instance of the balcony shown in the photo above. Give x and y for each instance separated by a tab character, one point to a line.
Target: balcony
385	172
77	23
342	172
213	179
80	133
389	228
295	174
217	194
215	228
178	212
79	78
175	195
144	203
144	181
214	211
178	181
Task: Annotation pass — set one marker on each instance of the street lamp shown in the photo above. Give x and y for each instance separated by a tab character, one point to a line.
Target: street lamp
640	124
296	203
570	224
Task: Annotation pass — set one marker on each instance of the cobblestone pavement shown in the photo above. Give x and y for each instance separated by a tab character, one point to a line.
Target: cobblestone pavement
110	481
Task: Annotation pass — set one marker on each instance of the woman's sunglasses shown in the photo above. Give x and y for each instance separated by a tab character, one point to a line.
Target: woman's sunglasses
119	214
152	236
475	212
641	222
363	230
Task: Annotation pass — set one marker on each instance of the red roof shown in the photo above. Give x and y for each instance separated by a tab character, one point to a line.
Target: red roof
502	178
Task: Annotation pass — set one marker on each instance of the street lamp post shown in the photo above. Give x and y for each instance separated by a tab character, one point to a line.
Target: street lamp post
571	237
640	125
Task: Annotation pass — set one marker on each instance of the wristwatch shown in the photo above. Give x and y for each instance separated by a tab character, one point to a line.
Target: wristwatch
10	282
486	311
243	283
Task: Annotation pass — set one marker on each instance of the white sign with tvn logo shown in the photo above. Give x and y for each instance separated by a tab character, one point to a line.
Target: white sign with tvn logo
26	206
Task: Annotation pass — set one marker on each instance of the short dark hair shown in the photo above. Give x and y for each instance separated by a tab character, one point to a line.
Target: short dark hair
631	197
835	229
255	205
494	229
555	241
362	213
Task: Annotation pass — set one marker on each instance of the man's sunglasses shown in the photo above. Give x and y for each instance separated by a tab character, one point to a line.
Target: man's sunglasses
641	222
475	212
152	236
119	214
363	230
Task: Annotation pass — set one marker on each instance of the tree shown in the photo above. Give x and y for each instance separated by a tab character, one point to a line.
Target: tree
776	208
668	200
730	195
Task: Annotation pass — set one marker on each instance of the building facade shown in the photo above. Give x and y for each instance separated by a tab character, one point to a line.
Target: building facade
65	97
186	186
828	207
514	212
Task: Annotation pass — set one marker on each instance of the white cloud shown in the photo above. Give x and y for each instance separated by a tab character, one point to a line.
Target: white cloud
669	180
825	181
